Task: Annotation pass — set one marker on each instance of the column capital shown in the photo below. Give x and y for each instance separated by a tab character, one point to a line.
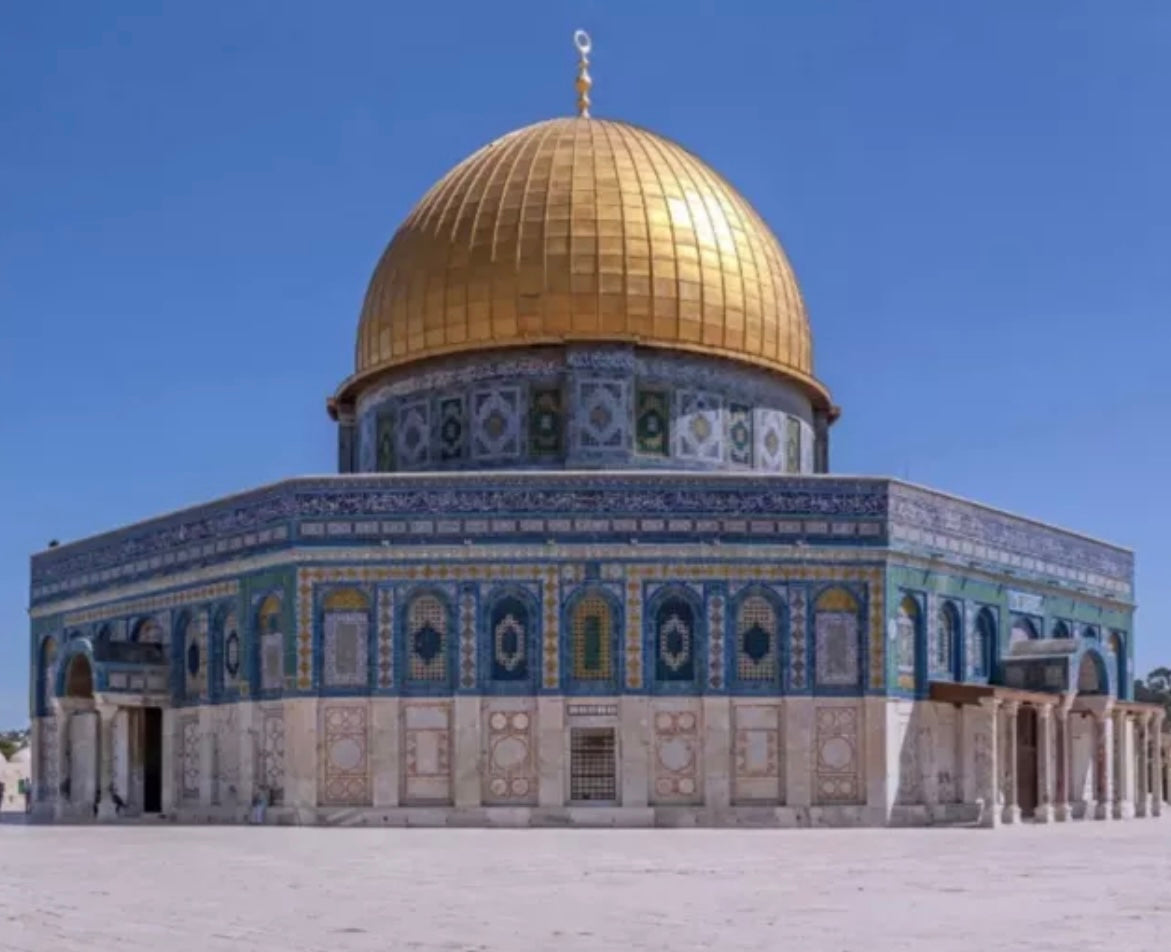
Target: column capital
1011	706
1045	711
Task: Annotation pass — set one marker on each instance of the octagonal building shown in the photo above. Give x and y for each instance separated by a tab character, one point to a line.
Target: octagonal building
583	562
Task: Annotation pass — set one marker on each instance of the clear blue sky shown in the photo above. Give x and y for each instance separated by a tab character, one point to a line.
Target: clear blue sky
975	197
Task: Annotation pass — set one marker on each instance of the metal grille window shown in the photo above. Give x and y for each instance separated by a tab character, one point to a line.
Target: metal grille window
756	629
592	765
592	632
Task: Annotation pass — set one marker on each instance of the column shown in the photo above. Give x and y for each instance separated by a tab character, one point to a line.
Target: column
986	762
1104	763
1012	809
1123	767
1064	757
107	719
1157	793
1142	800
1044	811
60	800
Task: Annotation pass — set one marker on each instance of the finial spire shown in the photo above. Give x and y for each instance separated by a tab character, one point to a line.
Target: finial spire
581	39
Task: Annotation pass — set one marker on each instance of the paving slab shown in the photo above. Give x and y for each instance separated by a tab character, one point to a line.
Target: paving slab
203	889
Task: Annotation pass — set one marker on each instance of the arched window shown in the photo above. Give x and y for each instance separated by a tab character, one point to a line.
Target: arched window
983	645
268	626
147	632
48	663
675	640
1060	630
1091	675
509	623
591	632
233	647
1023	629
345	638
427	640
835	627
756	640
906	631
947	634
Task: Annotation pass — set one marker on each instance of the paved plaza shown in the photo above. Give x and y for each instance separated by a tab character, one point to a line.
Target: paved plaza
188	889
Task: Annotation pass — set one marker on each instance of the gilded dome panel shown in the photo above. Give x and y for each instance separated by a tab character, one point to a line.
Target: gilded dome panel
584	229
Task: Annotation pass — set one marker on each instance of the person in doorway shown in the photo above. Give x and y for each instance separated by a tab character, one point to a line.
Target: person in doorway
27	790
2	792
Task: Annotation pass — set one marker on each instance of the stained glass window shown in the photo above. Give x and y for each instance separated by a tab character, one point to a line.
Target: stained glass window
756	640
427	639
592	631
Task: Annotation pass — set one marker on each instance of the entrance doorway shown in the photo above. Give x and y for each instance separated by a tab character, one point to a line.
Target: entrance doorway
1026	760
152	760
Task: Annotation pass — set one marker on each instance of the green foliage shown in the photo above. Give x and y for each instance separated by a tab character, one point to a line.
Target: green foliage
9	746
1156	689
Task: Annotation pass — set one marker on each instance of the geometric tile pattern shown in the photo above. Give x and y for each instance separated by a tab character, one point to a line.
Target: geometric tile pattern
798	669
467	639
769	440
413	435
795	576
496	433
602	414
676	757
756	754
715	628
511	774
385	637
345	772
699	428
836	762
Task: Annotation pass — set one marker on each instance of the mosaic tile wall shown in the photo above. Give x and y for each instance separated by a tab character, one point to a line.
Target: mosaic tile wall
616	406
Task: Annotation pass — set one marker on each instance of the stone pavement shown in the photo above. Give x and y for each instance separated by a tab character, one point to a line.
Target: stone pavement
204	889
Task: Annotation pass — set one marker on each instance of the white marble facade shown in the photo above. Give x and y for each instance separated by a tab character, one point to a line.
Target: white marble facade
668	761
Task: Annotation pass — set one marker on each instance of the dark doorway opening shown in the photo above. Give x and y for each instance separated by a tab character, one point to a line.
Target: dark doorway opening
152	760
1026	760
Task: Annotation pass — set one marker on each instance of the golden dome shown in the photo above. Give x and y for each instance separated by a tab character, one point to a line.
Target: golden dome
581	229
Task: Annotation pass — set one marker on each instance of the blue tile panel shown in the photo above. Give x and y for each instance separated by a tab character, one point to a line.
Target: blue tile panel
404	510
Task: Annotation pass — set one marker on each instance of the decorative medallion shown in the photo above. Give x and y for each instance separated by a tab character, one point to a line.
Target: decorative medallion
545	424
652	428
451	429
232	653
740	434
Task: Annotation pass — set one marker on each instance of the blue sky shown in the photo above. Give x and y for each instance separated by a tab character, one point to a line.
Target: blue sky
974	196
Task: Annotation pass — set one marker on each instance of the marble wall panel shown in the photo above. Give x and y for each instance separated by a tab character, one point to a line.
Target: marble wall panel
757	764
676	754
427	744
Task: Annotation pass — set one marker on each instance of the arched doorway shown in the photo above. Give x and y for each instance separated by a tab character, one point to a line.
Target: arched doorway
80	788
79	679
1026	759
